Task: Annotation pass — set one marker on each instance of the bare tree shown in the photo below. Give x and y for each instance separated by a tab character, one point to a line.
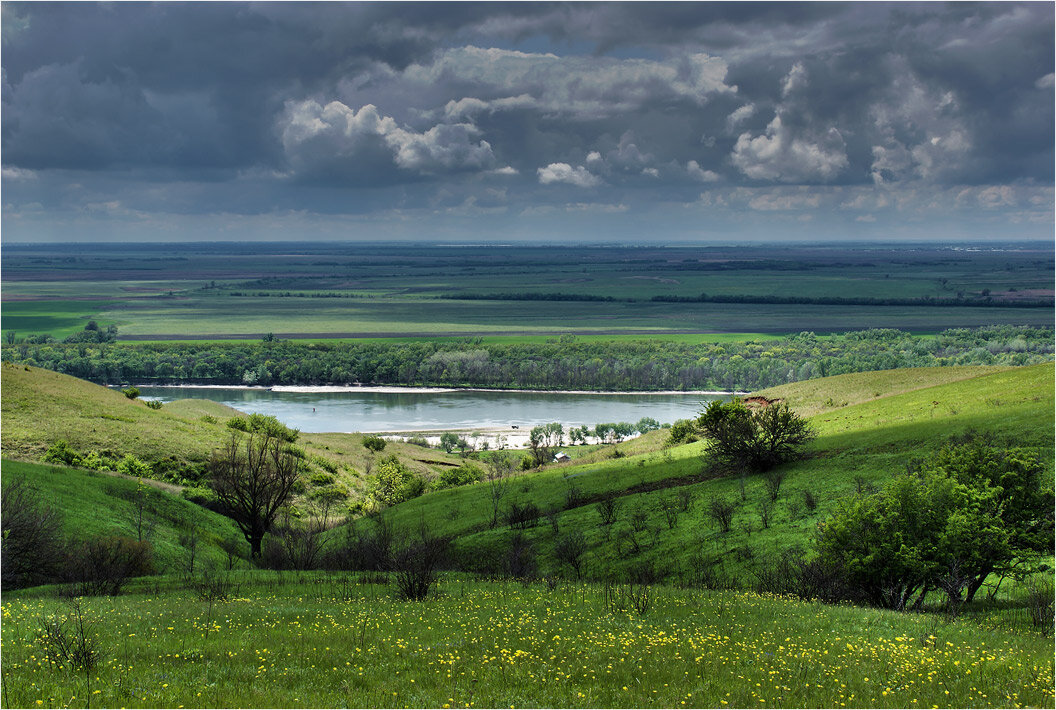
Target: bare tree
497	478
569	549
33	546
253	477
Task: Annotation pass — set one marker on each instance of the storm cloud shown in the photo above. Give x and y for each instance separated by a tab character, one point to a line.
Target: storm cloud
645	121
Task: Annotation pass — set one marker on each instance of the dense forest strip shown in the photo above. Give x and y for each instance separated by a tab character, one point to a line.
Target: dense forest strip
565	363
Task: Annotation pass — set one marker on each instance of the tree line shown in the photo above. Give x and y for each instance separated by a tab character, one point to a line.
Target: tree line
565	363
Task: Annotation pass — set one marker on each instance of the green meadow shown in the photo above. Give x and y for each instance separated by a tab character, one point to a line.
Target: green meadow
328	640
698	636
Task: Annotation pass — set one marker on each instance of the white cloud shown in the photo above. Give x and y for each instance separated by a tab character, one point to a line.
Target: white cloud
868	218
740	114
580	86
651	172
13	173
593	157
796	79
565	173
1046	82
506	170
991	197
315	133
779	155
695	171
779	201
920	135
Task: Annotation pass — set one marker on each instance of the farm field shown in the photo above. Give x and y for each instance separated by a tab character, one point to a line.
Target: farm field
321	640
363	291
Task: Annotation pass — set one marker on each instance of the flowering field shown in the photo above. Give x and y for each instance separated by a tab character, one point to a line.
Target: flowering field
319	640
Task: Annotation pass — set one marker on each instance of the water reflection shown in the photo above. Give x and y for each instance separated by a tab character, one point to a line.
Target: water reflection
360	410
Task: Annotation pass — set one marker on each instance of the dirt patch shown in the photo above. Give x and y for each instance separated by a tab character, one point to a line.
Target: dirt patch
759	402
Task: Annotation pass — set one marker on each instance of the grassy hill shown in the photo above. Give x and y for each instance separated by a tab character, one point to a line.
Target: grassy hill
890	419
96	504
40	407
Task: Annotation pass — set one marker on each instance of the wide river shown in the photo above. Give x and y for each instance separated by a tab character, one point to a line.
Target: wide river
385	410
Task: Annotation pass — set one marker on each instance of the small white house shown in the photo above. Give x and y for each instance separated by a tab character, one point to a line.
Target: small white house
561	457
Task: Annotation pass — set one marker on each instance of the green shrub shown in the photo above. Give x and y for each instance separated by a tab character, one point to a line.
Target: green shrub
264	424
459	476
153	403
683	431
132	466
130	392
99	462
393	483
320	479
374	443
62	453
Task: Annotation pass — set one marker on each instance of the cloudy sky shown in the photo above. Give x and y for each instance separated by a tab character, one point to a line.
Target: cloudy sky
644	122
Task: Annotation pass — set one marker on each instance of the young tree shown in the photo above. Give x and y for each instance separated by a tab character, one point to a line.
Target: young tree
497	477
755	440
969	511
253	477
374	444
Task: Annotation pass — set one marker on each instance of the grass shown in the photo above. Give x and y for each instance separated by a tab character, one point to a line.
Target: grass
41	407
96	504
315	640
859	445
333	639
58	318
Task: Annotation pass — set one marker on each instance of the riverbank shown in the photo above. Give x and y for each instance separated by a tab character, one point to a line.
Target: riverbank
390	389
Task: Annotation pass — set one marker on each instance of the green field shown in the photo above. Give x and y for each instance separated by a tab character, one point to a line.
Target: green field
319	640
880	422
368	291
310	639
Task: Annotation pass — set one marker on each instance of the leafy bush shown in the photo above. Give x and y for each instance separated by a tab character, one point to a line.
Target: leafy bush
969	511
132	466
264	424
374	443
153	403
753	440
62	453
130	392
458	476
393	483
320	479
683	431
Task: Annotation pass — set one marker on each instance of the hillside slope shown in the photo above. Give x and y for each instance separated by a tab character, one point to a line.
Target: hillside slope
96	504
40	407
662	526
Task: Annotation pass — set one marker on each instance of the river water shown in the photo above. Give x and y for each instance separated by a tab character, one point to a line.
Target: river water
386	410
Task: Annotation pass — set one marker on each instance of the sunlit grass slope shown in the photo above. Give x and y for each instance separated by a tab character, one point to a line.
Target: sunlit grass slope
316	641
858	447
40	407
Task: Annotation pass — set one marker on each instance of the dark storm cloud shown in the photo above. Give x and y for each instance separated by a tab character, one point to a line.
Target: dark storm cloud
527	108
